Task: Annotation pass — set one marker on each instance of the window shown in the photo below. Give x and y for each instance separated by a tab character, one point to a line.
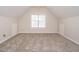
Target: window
38	21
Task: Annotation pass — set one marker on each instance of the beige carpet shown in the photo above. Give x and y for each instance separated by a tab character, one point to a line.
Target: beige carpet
38	43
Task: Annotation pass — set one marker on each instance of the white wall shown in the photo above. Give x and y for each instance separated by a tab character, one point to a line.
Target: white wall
8	26
70	28
25	21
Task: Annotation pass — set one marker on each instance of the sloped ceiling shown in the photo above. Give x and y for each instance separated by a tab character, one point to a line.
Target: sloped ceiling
60	12
12	11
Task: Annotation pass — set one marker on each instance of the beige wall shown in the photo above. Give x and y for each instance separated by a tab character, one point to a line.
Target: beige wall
70	28
25	21
8	26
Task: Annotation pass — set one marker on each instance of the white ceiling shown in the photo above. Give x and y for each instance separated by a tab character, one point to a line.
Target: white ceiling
12	11
62	12
59	11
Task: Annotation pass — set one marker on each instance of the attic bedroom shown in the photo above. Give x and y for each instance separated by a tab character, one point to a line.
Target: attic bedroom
39	29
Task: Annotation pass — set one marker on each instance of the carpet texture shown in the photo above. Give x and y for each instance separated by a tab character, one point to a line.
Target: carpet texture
38	42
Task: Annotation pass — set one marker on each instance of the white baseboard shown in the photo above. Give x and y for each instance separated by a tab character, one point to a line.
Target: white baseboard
69	38
6	38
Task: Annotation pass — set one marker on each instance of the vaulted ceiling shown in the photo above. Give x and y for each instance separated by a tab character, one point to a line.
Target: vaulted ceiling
60	12
13	11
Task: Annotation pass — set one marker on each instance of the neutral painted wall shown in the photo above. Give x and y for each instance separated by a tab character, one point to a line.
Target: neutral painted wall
70	28
25	21
8	26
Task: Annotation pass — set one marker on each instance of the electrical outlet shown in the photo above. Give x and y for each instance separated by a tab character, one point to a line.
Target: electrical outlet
4	35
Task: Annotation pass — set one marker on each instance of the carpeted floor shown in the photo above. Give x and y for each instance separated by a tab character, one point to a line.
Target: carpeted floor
35	42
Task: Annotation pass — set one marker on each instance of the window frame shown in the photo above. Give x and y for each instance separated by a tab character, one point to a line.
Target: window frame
38	21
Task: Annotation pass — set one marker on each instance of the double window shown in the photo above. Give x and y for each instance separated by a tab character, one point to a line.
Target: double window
38	21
